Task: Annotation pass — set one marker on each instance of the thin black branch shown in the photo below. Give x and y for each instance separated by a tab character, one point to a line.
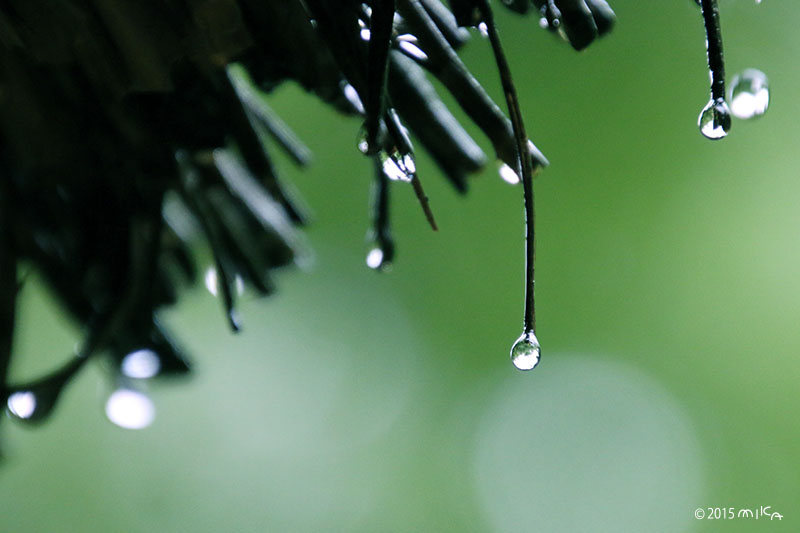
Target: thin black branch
524	162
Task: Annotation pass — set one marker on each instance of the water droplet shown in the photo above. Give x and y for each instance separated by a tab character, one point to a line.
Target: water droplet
484	30
550	18
715	119
34	405
363	143
526	352
35	402
130	409
398	167
508	174
22	404
365	34
376	259
141	364
749	94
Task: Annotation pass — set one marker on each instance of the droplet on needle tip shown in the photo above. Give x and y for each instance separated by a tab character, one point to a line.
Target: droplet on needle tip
526	352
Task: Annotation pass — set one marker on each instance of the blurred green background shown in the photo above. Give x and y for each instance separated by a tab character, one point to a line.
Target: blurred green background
668	310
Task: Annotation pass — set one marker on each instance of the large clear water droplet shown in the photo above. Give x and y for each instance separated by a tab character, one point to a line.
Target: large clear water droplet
749	94
397	166
130	409
715	119
526	352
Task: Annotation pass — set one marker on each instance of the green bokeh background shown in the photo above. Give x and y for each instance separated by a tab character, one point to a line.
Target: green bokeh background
668	309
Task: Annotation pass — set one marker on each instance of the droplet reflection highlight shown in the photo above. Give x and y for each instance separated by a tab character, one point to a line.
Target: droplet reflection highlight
408	44
211	280
22	404
375	259
526	352
749	94
141	364
715	119
352	96
130	409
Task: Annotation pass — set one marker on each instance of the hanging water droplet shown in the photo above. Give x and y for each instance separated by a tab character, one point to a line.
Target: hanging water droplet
33	405
550	17
141	364
22	405
749	94
484	30
35	402
363	142
715	119
398	167
508	174
526	352
130	409
377	260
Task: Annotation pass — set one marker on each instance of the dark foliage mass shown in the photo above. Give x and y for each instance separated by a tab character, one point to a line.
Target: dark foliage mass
130	127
